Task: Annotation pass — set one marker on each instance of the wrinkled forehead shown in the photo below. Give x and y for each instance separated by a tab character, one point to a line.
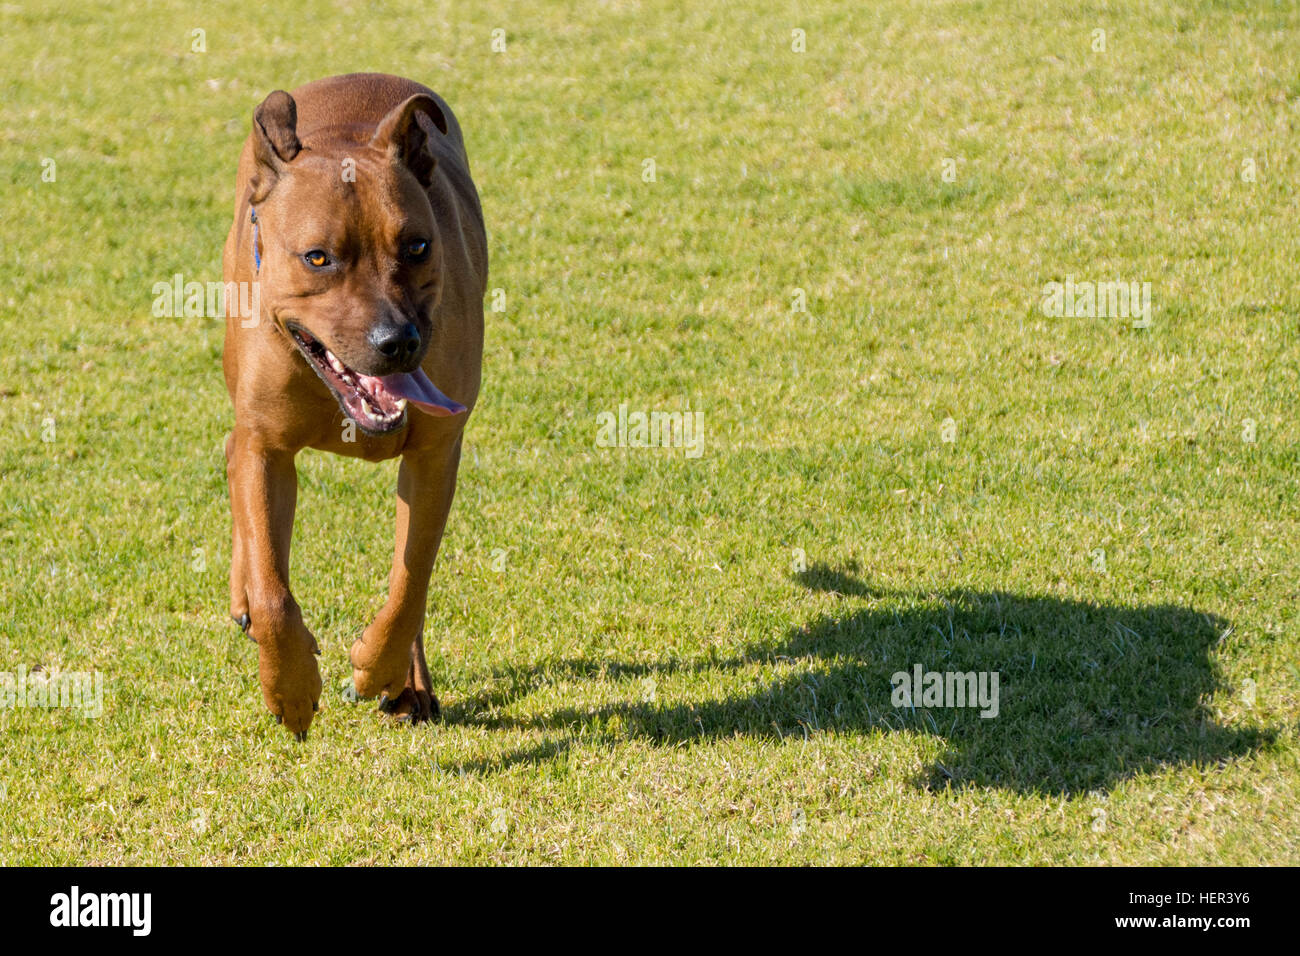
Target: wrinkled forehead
360	188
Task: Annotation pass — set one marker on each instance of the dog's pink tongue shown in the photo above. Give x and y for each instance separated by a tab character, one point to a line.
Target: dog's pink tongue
417	389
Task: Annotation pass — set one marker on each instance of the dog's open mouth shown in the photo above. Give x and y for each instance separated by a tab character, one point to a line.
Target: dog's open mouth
376	403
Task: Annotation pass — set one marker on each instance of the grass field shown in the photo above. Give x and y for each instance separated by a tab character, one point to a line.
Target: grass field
647	657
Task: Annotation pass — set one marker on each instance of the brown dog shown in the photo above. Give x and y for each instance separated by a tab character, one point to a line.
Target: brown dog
358	225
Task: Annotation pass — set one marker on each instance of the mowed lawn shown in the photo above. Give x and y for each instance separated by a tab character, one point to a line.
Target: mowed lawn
838	258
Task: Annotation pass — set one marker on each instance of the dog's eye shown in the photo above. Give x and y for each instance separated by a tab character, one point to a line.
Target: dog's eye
317	258
415	250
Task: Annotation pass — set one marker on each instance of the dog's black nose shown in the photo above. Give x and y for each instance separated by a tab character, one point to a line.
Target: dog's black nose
397	342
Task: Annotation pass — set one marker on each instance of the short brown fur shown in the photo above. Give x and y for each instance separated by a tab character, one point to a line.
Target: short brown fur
396	133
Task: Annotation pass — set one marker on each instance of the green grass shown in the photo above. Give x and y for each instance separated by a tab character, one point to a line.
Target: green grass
652	678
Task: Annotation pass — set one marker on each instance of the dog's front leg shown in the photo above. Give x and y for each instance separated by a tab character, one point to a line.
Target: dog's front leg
263	494
388	660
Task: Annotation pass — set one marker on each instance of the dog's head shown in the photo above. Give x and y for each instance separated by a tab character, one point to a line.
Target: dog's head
351	261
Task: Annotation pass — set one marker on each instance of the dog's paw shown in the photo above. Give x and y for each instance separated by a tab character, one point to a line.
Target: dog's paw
377	677
412	705
290	679
379	667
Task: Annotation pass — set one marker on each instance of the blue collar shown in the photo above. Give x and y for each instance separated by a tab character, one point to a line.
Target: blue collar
257	256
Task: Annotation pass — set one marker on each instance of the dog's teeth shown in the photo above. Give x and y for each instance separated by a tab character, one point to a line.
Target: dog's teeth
365	407
334	363
401	405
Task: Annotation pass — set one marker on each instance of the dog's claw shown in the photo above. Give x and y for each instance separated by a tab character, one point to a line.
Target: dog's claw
278	718
315	707
301	736
244	622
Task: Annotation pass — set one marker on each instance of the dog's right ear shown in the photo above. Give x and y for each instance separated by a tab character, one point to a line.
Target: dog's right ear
275	141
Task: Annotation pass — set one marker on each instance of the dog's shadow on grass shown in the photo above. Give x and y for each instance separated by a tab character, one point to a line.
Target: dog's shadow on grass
1088	695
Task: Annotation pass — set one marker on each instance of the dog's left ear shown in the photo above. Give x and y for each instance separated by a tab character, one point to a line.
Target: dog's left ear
404	134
